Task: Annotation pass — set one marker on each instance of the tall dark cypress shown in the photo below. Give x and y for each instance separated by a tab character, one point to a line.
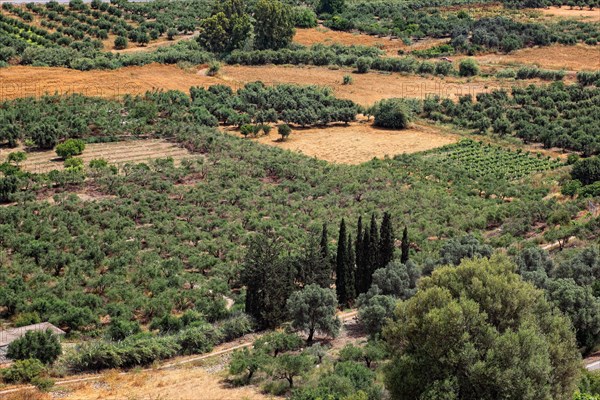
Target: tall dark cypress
350	272
363	269
373	252
386	241
405	246
325	249
340	265
359	257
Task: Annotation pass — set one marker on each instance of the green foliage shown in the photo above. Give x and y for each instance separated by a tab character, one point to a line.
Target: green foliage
74	164
41	345
120	329
468	67
514	345
288	366
330	6
70	148
284	131
247	361
121	43
587	171
16	157
363	64
457	249
313	309
227	29
275	343
274	26
23	371
304	17
347	80
213	68
392	114
374	309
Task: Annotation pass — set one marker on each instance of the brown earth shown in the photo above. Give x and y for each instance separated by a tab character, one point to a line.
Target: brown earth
366	88
586	14
174	384
22	81
572	58
116	153
391	46
358	142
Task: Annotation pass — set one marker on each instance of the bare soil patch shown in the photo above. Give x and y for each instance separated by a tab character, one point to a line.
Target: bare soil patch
175	384
358	142
390	45
23	81
586	14
572	58
117	153
366	88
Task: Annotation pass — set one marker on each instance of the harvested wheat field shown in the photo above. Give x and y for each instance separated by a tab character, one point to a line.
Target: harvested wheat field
173	384
366	88
358	142
391	46
586	14
23	81
573	58
116	153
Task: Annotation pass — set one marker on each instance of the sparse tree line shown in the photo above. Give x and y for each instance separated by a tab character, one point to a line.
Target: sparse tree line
556	115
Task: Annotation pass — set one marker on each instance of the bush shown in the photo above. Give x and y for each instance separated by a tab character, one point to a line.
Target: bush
235	327
468	67
246	129
40	345
121	43
347	80
284	131
70	148
304	17
391	113
363	64
74	164
23	371
213	68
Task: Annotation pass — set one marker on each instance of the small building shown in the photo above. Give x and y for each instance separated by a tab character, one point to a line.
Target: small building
7	336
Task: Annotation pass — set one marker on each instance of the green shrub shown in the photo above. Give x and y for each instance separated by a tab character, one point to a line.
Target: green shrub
70	148
246	129
570	188
121	43
74	164
41	345
284	131
236	326
213	68
304	17
363	64
347	80
23	371
392	114
468	67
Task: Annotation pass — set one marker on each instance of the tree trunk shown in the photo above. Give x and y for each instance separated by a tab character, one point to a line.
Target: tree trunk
311	333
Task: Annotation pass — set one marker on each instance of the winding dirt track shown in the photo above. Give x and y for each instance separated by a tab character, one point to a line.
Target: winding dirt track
226	348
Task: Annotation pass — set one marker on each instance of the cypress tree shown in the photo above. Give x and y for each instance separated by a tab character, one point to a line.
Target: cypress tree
350	273
405	246
359	256
373	252
324	243
341	273
363	268
325	249
386	241
311	268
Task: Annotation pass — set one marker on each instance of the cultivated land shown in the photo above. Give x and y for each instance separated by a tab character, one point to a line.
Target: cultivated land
359	142
391	46
573	58
117	153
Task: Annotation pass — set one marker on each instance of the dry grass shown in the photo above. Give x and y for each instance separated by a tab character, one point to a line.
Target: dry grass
574	58
173	384
359	142
566	13
115	153
366	88
391	46
23	81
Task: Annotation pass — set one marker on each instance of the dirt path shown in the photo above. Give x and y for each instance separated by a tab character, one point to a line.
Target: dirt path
179	362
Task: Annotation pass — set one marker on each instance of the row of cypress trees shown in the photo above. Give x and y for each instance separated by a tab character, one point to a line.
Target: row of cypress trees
356	261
